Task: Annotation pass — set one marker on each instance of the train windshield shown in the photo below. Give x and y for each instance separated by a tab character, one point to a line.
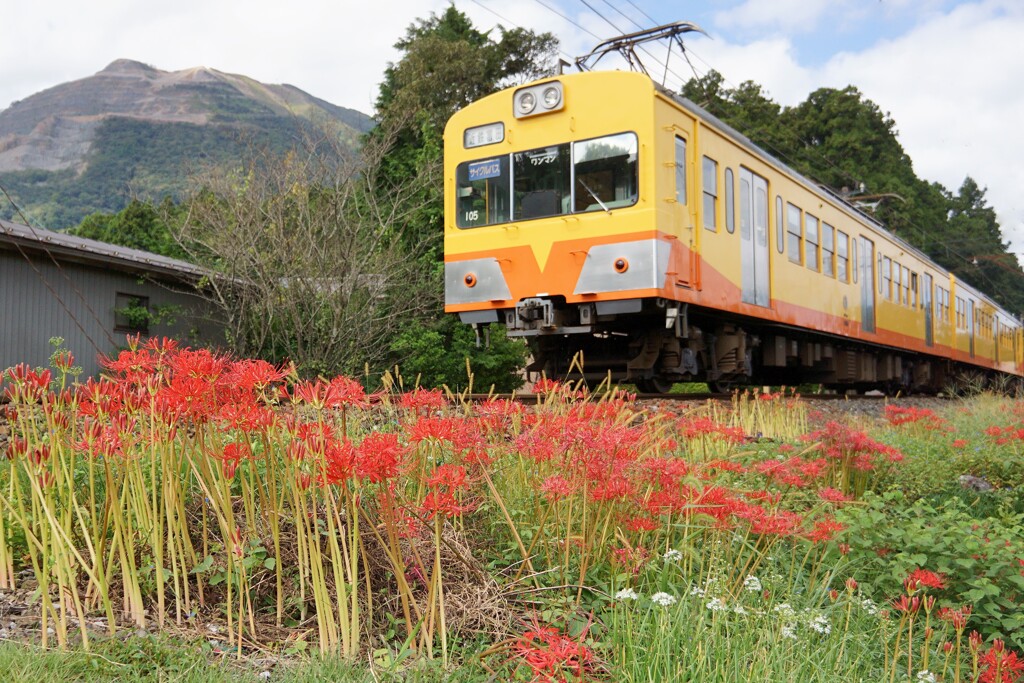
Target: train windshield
590	175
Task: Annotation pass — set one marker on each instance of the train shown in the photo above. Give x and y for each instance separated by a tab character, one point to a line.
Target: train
600	216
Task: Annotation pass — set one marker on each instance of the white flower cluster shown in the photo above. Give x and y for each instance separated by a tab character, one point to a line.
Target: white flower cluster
788	631
697	591
663	599
785	611
752	583
820	624
672	555
717	605
869	606
626	594
925	676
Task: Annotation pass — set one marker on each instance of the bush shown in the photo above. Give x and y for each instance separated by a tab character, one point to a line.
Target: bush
435	353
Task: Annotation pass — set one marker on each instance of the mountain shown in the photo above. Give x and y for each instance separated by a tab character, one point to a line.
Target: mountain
134	130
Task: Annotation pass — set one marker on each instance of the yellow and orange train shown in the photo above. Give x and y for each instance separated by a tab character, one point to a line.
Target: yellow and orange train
599	212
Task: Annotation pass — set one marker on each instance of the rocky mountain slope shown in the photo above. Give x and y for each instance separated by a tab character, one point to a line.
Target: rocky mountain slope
134	130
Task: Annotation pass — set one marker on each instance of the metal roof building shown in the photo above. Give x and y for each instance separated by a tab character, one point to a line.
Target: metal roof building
92	294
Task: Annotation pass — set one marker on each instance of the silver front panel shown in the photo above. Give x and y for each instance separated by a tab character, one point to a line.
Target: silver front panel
490	282
648	265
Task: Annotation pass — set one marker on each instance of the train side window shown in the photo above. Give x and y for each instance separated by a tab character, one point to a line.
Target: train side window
842	257
897	288
794	236
680	170
709	171
780	232
811	241
886	280
906	286
913	290
828	250
730	202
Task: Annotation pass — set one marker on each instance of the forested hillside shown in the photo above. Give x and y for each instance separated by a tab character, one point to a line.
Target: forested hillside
134	131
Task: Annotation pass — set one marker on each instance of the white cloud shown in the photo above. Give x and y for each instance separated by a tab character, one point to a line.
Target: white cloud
791	16
952	84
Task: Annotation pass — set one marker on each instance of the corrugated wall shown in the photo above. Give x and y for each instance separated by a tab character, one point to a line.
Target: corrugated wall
30	313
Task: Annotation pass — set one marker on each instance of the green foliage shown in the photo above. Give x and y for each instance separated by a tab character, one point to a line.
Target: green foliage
446	63
436	353
977	555
842	139
140	225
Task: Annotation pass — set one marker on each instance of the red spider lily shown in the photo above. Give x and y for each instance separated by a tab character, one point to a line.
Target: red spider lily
255	375
230	456
344	392
957	617
724	466
551	656
443	503
452	477
974	640
27	385
379	457
832	495
825	530
40	454
840	442
640	524
697	427
188	396
426	399
906	604
902	415
631	559
246	416
664	472
556	487
851	585
924	578
433	428
17	446
63	361
339	462
1000	666
959	443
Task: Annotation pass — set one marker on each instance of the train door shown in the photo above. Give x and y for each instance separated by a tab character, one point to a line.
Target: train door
867	284
970	325
754	238
926	301
682	215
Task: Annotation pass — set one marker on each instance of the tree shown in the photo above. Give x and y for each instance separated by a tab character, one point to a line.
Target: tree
140	225
307	250
447	63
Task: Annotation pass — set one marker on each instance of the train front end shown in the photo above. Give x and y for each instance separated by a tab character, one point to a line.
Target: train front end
552	218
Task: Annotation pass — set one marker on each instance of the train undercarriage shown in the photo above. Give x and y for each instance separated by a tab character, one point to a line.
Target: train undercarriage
654	343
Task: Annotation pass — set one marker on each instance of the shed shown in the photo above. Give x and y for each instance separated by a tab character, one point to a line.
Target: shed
94	295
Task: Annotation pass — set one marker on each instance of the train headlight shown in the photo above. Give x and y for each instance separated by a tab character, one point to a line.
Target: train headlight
621	265
552	96
526	102
534	100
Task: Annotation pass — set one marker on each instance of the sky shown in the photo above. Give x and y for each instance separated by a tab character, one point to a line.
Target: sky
950	73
